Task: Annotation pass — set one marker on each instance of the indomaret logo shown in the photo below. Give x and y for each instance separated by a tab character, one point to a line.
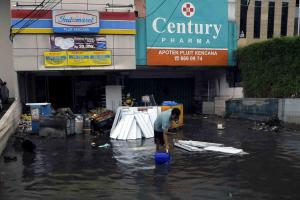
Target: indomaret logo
188	9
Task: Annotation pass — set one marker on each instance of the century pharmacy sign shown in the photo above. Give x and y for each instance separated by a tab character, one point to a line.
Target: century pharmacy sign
187	33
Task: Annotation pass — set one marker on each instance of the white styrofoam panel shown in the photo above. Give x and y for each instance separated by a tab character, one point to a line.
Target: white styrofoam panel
43	42
124	62
153	113
25	63
138	131
118	129
129	121
147	120
143	125
124	131
25	52
117	119
140	124
124	52
70	6
132	131
25	41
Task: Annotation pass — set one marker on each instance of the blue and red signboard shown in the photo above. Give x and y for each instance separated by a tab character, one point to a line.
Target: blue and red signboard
75	21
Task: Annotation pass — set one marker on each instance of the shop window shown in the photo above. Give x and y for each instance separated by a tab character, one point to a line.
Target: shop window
257	14
271	19
284	18
243	18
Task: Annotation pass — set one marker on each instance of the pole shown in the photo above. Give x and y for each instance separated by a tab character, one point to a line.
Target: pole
208	91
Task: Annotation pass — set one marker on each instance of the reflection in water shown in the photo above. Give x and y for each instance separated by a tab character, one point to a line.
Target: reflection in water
134	155
71	169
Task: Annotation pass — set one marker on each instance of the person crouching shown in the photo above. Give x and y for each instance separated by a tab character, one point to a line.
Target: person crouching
162	125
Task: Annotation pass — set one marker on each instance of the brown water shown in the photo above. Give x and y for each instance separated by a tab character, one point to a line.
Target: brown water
71	169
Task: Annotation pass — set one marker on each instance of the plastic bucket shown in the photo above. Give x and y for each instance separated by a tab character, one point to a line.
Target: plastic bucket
161	157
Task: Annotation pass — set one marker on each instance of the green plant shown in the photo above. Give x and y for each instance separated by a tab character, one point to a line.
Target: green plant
271	68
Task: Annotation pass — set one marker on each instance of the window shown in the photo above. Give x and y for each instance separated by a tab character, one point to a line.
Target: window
243	18
257	14
296	21
271	19
284	18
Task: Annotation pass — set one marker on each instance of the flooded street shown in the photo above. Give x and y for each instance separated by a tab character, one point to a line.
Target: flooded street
71	169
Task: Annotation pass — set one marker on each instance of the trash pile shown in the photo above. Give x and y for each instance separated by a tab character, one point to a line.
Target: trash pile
101	119
62	122
272	124
132	123
199	146
25	124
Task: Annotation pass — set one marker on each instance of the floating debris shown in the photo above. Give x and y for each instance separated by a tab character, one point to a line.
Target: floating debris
199	146
220	127
272	125
9	158
104	146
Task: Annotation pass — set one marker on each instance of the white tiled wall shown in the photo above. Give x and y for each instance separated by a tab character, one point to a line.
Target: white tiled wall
28	49
71	4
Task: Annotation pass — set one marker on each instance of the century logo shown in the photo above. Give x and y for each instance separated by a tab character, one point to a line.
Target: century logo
188	9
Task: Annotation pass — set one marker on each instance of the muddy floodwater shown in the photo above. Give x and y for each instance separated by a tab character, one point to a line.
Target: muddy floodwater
69	168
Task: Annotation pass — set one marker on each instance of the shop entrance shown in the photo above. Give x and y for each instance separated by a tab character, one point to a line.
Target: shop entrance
60	92
180	90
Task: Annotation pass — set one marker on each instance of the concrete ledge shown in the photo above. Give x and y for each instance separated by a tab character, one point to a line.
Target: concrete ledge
9	123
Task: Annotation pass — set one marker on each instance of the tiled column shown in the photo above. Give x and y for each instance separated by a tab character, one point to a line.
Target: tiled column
238	15
264	19
277	18
250	20
291	17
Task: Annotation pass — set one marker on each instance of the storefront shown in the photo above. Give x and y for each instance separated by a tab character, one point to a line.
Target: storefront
191	40
67	52
178	51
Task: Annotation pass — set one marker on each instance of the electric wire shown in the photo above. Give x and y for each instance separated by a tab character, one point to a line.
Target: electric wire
166	22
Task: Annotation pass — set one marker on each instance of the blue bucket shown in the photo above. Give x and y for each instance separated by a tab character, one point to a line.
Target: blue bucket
162	157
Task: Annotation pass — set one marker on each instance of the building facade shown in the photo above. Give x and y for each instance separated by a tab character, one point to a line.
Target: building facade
64	54
260	20
67	51
7	72
175	40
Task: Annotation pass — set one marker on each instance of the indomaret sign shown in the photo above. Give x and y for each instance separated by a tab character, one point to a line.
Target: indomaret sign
187	33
